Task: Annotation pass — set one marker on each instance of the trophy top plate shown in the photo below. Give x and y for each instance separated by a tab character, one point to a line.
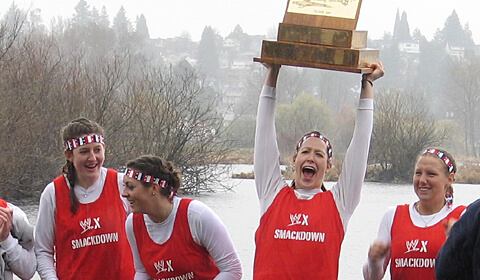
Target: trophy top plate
335	14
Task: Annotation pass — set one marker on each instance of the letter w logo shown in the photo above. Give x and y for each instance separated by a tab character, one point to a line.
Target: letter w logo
163	266
411	245
87	224
298	219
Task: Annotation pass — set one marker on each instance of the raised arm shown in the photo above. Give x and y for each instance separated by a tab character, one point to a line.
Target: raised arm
349	186
268	176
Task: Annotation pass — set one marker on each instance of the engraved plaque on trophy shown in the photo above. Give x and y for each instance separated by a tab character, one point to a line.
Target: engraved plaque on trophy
321	34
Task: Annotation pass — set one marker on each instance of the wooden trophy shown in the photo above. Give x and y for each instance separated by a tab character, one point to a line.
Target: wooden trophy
321	34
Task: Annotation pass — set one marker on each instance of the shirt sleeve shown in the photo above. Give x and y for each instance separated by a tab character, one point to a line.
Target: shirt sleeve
348	189
268	176
456	259
140	272
375	270
45	234
210	232
19	253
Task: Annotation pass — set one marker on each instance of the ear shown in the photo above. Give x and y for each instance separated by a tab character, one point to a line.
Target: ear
451	178
155	187
294	159
68	155
329	165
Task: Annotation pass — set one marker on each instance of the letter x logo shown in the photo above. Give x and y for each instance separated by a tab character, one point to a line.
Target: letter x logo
424	246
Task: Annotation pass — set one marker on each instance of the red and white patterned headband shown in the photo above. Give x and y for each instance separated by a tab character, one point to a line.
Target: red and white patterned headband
75	143
448	162
318	135
145	178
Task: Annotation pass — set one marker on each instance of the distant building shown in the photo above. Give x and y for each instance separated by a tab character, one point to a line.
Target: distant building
455	51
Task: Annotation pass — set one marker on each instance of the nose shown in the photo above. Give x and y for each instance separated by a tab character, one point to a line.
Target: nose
91	155
423	179
124	192
311	156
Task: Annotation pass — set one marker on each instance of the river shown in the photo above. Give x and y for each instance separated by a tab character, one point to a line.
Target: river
239	210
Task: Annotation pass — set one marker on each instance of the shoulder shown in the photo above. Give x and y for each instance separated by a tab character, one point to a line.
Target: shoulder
196	207
200	212
48	193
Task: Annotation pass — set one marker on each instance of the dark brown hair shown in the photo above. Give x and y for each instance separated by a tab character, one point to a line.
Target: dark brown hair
158	168
75	129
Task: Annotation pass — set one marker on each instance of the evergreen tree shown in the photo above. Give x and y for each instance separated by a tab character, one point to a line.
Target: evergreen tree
142	29
83	16
207	53
121	24
104	19
452	32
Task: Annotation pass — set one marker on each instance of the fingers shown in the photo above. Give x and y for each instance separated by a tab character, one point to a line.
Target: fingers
378	71
6	221
378	250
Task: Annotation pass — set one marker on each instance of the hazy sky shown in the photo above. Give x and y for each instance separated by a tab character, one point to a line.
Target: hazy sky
169	18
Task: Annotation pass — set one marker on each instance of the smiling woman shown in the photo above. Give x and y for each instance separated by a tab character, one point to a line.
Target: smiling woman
410	236
173	237
73	227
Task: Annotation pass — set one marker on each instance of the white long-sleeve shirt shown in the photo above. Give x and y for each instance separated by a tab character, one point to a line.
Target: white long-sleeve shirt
45	228
207	231
375	270
269	180
19	256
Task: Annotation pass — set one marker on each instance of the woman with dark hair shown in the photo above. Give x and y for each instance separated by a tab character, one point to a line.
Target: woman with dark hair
302	226
80	232
410	235
173	237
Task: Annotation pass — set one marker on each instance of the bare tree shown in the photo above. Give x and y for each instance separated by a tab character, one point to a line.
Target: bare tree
403	126
462	84
174	116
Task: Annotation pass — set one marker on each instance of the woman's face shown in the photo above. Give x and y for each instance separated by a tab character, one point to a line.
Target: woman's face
311	164
431	179
88	161
137	194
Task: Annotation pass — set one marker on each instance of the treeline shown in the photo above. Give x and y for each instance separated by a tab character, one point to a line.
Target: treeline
83	68
114	74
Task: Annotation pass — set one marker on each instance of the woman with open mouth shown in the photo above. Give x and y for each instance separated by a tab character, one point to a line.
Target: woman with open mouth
80	232
302	226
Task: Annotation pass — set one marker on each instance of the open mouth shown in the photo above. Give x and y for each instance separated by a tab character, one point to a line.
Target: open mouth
91	166
308	172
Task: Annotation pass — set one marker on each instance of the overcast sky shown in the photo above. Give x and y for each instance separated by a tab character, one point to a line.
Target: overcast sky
169	18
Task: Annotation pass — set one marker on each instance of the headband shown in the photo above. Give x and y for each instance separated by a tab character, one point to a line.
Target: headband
318	135
448	162
75	143
145	178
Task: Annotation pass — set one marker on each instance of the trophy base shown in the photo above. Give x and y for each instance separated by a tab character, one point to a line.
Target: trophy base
289	62
318	56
